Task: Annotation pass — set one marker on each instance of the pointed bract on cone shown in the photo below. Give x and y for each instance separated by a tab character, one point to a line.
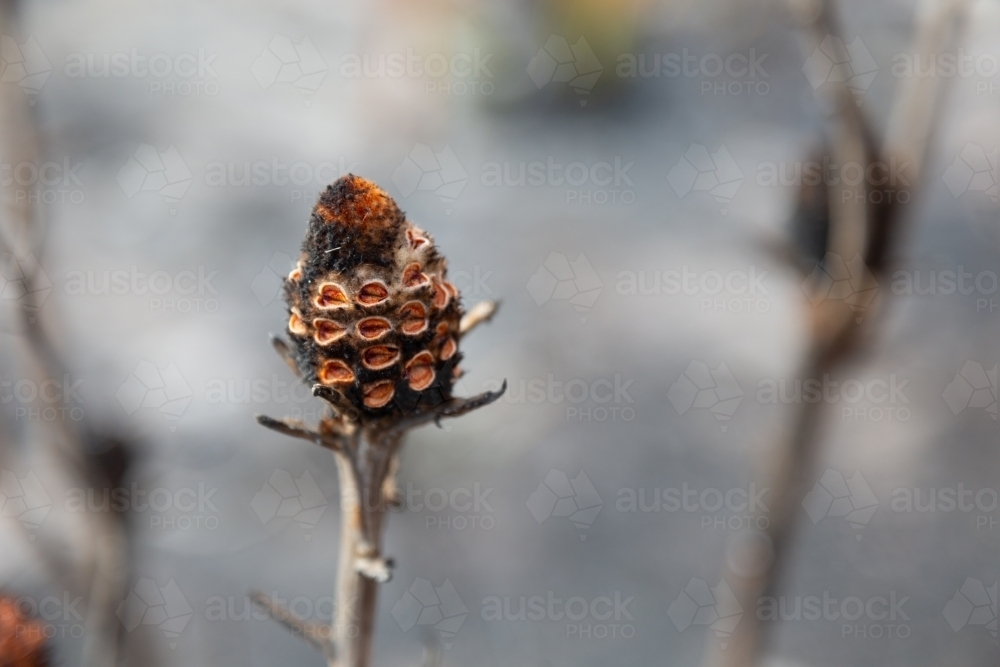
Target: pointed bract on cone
371	312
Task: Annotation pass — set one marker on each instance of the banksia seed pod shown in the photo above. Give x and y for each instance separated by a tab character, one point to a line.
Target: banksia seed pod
374	327
22	639
371	313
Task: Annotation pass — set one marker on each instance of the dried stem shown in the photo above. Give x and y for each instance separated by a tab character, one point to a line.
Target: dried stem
102	569
285	352
857	229
360	538
316	634
366	461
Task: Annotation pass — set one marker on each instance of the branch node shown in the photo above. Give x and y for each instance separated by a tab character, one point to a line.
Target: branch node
328	394
296	429
456	407
374	567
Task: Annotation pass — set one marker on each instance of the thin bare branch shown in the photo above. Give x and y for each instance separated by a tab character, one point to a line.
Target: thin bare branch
296	429
478	314
914	117
280	346
103	563
432	650
868	232
462	406
317	634
456	407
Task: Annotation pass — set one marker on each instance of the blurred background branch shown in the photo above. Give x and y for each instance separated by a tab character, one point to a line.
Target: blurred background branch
97	564
864	229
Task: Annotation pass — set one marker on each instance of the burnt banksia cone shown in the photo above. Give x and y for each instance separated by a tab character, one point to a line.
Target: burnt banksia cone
375	327
372	315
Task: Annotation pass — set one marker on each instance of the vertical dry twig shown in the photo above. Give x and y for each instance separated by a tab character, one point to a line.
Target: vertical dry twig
365	463
101	570
858	228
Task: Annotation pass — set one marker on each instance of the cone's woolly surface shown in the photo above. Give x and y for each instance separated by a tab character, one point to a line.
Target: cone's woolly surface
371	313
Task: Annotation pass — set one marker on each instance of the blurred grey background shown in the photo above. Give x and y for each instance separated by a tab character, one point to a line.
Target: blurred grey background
643	321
